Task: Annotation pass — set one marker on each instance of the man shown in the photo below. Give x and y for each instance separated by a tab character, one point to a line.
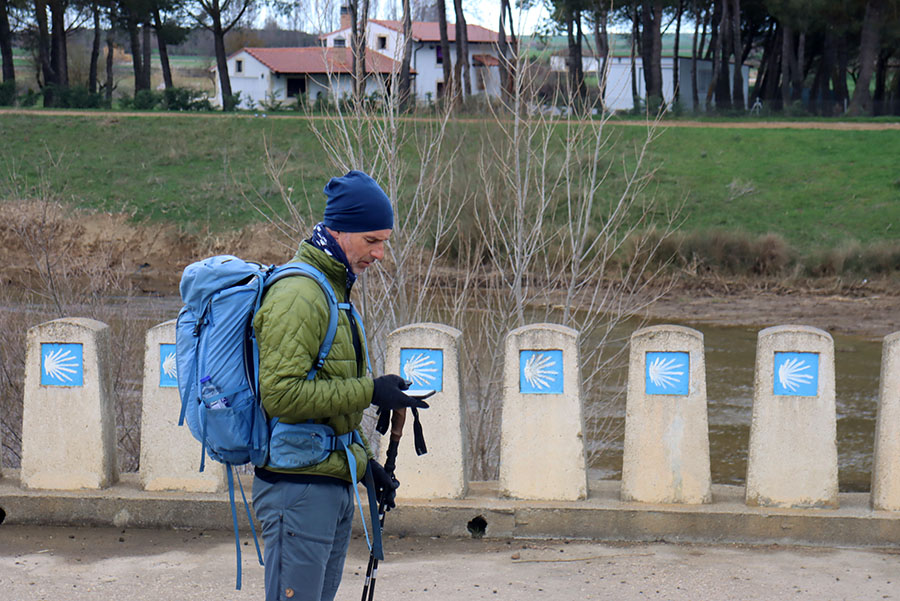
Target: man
306	513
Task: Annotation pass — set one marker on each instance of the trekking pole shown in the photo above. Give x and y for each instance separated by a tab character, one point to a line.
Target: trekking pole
398	419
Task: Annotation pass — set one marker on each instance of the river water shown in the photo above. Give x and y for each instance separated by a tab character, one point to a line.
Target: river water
730	359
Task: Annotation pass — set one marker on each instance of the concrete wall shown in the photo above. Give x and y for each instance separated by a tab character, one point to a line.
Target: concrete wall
170	456
792	459
69	420
542	429
885	471
69	437
666	457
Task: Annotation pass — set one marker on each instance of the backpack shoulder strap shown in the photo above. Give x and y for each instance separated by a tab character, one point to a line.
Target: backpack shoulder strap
307	270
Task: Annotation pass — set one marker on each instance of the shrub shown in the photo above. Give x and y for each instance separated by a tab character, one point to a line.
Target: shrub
272	103
29	98
78	97
185	99
7	93
147	100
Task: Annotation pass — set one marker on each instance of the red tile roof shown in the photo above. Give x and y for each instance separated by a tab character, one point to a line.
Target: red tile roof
429	31
316	59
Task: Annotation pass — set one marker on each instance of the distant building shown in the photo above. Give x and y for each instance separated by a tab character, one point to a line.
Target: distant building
283	74
386	37
261	74
618	95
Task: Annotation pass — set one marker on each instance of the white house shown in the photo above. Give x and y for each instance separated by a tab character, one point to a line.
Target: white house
618	95
266	74
386	37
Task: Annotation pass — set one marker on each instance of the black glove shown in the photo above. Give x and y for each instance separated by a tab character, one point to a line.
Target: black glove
389	395
385	485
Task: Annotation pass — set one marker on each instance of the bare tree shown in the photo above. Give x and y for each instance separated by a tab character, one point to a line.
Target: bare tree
461	78
557	206
445	48
404	91
220	17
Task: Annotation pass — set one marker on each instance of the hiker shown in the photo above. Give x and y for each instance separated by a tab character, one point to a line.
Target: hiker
306	513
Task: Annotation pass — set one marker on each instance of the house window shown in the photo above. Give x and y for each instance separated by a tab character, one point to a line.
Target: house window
382	42
438	56
340	43
238	66
440	89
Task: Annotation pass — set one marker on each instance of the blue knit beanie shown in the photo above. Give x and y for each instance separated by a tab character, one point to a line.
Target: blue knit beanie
356	203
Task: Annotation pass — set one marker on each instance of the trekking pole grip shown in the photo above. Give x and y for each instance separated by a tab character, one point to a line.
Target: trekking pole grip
398	419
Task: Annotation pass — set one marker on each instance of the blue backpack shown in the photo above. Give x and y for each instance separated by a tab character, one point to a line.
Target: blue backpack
215	340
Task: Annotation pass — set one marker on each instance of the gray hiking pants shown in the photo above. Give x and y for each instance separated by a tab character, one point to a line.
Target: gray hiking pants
306	531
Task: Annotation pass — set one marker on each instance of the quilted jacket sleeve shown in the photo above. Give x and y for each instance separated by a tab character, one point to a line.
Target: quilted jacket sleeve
290	326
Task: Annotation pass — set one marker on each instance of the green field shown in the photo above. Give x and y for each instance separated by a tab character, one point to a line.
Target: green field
818	189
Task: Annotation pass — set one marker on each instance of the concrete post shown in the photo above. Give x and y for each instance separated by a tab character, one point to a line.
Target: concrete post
69	420
541	441
793	435
170	456
428	355
666	457
886	467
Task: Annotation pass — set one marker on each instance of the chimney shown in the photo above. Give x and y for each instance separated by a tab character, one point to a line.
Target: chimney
345	16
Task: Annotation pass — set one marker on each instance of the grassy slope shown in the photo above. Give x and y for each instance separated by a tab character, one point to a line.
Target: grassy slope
817	188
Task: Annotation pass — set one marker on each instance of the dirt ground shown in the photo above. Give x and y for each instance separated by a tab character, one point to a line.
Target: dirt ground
86	564
153	257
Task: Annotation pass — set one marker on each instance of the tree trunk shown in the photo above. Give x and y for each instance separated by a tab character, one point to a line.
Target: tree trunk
46	71
353	6
575	59
163	49
147	50
445	49
461	69
869	46
651	53
58	51
737	79
635	31
798	68
222	64
404	92
829	63
95	50
713	46
705	17
675	82
815	95
723	81
363	25
696	52
503	52
787	63
880	97
841	93
713	52
137	57
9	71
896	95
601	41
110	51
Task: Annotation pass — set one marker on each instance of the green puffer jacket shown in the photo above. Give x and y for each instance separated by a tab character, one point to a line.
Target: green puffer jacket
290	326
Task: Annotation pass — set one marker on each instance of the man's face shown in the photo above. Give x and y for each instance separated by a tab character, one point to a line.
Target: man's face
362	248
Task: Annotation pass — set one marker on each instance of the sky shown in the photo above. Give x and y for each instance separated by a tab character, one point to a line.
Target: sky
478	12
487	14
